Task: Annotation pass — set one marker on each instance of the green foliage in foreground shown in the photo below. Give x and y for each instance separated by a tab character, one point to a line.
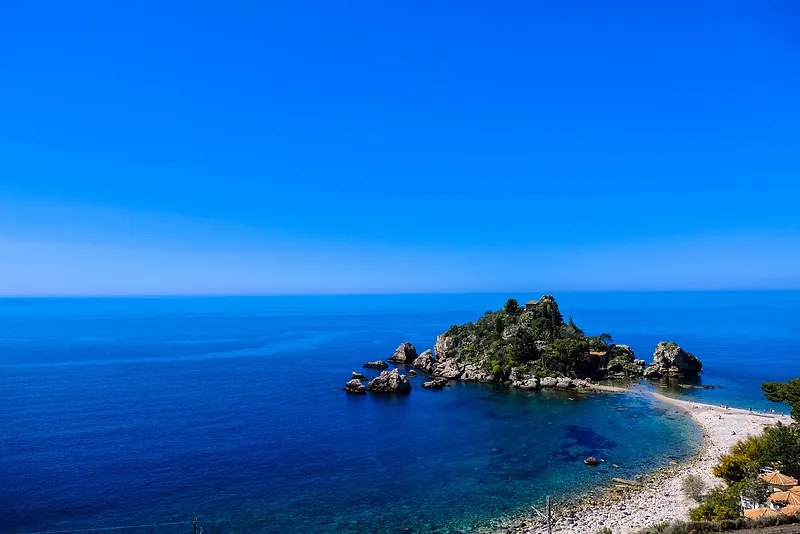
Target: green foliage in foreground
536	339
788	392
727	525
777	447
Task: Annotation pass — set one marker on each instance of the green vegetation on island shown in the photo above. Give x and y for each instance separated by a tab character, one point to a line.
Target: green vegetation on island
535	339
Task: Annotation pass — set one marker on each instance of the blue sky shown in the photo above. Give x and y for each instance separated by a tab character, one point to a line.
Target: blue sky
347	147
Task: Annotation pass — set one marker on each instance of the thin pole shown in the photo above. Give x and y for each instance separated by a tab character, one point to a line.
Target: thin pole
549	531
195	525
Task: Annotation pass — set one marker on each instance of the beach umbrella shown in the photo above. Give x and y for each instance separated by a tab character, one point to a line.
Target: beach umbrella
758	513
789	497
792	509
777	478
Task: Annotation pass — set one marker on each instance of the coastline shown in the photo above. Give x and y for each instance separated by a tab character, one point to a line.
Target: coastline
660	497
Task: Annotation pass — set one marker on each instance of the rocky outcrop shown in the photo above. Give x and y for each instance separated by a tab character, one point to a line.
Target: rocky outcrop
380	364
436	383
564	383
530	383
449	369
405	353
390	382
412	374
518	379
355	386
669	360
445	347
474	374
549	382
358	376
425	362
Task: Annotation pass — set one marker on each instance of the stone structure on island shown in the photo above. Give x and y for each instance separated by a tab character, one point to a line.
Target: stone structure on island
389	382
669	360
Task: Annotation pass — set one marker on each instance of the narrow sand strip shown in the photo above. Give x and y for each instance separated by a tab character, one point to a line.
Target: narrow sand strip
662	500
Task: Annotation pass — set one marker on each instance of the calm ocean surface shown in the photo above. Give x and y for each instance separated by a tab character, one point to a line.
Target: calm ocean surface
119	412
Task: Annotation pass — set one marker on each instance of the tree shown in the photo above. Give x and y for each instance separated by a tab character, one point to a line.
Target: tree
606	339
742	462
781	448
788	392
574	327
511	307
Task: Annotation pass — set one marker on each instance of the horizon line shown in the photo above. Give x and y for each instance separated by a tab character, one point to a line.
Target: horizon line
377	294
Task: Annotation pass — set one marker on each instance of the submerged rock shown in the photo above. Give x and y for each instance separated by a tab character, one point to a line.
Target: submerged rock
412	374
425	362
436	383
380	364
390	382
355	386
405	353
671	360
591	460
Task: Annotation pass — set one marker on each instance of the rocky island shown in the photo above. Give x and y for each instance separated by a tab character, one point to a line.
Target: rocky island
530	347
533	347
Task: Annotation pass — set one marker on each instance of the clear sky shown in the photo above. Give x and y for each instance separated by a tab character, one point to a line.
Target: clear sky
345	147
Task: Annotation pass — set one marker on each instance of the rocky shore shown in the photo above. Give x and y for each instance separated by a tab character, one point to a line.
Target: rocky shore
659	498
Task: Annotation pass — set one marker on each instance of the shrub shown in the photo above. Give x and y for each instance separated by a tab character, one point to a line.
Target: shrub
712	512
694	487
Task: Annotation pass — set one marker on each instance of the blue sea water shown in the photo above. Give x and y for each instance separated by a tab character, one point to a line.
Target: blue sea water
118	412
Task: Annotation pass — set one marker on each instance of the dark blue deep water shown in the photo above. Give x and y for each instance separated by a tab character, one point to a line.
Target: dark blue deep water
118	412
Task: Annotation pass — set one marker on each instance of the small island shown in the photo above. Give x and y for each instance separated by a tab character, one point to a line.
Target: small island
529	347
532	347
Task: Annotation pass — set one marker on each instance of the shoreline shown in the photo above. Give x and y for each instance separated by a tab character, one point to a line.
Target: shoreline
660	497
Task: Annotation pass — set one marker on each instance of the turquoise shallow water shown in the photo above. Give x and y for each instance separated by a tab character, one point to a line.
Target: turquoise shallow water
132	411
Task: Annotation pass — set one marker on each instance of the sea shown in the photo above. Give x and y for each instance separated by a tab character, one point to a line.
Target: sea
141	414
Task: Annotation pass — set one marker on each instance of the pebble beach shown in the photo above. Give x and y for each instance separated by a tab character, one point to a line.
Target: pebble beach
659	498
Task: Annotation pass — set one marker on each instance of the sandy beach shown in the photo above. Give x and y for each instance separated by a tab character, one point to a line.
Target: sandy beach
661	499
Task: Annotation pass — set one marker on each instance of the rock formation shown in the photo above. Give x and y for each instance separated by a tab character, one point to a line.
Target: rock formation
475	374
449	369
669	360
380	364
412	374
390	382
358	376
425	362
405	354
355	386
436	383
